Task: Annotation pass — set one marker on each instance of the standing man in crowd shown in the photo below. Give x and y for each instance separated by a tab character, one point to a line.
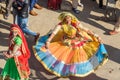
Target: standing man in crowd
21	17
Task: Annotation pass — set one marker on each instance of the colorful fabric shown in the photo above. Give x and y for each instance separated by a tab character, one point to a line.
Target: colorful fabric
19	64
18	40
69	30
72	51
64	61
10	70
24	46
64	14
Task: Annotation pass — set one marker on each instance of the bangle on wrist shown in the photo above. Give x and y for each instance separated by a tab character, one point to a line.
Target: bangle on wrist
48	41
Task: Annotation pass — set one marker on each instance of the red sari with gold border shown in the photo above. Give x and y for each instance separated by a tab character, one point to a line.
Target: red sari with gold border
17	67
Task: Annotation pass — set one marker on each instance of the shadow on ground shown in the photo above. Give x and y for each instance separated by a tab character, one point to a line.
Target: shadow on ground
89	77
4	36
85	15
36	67
1	55
113	53
5	25
89	18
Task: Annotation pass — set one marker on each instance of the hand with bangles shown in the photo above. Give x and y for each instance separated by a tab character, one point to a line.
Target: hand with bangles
49	40
92	33
99	38
8	55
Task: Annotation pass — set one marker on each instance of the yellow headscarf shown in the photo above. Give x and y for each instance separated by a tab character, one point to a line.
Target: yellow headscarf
64	14
70	31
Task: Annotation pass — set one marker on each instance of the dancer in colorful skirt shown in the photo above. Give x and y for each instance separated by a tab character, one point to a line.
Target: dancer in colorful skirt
16	67
71	49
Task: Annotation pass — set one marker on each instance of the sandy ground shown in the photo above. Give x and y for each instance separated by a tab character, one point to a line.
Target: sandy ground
90	16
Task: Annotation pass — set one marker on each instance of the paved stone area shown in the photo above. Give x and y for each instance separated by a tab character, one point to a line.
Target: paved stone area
90	16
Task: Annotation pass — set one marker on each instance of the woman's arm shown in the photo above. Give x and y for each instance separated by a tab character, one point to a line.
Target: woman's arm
56	29
90	32
17	44
85	29
15	49
13	53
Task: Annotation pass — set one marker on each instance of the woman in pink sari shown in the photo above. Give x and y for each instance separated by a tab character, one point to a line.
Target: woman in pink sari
54	4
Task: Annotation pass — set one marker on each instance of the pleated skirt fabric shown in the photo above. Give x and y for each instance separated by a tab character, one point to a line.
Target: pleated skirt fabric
64	61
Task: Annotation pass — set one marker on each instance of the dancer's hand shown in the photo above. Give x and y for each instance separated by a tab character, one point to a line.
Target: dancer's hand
90	32
6	54
100	40
47	44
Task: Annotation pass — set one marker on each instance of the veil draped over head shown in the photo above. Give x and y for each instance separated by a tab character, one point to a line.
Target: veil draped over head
64	14
24	47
